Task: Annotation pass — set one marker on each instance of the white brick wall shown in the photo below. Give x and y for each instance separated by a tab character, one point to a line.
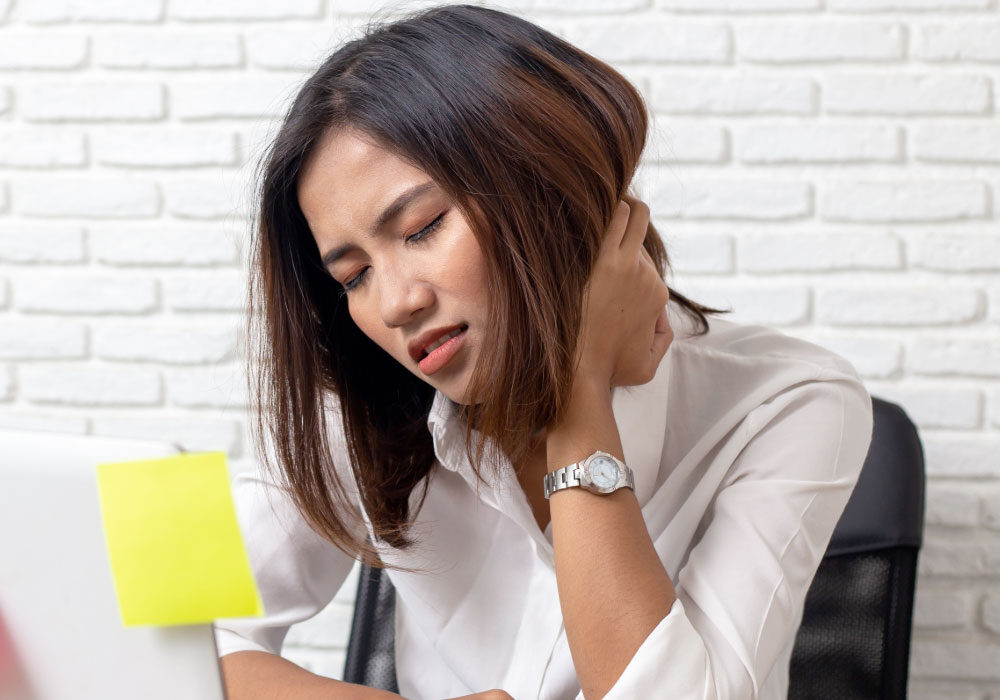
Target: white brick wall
831	168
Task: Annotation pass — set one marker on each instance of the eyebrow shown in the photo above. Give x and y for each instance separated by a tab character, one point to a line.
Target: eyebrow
387	215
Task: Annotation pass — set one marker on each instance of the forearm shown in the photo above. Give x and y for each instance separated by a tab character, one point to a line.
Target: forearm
603	552
249	675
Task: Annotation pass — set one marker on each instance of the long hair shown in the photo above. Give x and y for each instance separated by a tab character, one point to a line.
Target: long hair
536	142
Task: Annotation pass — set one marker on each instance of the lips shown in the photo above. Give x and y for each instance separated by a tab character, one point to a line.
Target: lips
418	347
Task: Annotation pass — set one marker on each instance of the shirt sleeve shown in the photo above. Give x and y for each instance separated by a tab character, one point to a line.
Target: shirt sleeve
741	592
297	571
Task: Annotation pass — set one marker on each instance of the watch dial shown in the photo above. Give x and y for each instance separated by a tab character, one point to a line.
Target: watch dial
604	472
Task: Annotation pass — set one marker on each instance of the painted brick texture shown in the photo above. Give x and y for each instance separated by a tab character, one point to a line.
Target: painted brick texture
830	168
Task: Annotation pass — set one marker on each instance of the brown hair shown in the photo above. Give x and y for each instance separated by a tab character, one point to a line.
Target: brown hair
536	142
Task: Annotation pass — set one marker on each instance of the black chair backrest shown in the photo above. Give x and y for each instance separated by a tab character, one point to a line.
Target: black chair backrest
854	640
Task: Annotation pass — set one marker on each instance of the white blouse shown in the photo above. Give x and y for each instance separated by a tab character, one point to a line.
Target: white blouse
745	447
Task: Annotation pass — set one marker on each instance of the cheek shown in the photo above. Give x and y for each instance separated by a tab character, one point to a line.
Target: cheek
368	323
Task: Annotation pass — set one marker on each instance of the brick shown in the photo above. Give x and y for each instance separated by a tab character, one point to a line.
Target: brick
941	609
906	5
210	387
700	253
958	558
956	252
206	198
915	691
931	408
91	101
165	342
969	357
90	385
957	144
4	99
647	39
560	6
818	252
819	42
818	143
245	97
169	50
195	433
160	246
901	94
5	9
42	50
58	423
671	141
7	383
897	306
960	41
41	243
991	511
46	11
4	294
36	147
995	408
991	612
226	10
748	6
705	94
219	291
164	147
959	660
85	198
883	202
951	507
973	456
42	339
873	358
293	49
753	200
784	305
85	293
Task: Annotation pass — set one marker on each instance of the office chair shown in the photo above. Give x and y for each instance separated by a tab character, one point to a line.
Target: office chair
854	640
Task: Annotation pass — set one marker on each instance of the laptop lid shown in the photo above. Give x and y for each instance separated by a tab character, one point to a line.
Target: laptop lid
57	595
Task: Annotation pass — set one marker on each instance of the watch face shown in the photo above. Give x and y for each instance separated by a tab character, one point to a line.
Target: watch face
603	472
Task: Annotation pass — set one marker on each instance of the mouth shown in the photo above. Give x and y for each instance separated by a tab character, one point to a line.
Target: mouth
439	352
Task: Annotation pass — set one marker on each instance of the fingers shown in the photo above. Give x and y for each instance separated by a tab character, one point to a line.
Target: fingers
638	224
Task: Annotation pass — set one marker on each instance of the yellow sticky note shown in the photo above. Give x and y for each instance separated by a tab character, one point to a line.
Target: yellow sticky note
177	555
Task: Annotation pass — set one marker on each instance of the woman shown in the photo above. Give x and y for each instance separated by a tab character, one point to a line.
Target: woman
473	374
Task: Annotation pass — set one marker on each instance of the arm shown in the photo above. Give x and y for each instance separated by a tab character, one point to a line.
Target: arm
601	542
740	593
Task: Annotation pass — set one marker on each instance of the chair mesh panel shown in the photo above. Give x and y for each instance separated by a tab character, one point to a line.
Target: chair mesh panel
371	653
855	632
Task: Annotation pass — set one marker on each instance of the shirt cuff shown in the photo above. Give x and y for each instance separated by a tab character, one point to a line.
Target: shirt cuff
672	662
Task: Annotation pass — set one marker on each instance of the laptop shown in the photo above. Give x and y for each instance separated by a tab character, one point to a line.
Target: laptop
57	599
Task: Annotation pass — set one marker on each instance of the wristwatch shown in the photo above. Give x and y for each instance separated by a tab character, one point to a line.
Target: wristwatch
599	473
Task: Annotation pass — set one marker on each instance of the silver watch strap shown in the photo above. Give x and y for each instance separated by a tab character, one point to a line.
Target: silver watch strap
562	479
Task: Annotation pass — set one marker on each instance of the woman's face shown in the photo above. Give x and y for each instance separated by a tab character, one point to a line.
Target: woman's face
412	270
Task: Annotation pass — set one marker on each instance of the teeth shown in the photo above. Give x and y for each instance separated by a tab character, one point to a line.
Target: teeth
441	341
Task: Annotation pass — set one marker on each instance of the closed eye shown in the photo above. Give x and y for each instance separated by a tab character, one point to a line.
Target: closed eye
420	235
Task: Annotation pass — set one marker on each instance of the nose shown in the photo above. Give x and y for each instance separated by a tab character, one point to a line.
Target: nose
403	296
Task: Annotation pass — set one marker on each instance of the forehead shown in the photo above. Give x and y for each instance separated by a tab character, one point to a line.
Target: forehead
347	180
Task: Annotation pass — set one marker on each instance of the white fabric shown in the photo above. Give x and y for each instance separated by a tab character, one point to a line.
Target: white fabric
745	447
